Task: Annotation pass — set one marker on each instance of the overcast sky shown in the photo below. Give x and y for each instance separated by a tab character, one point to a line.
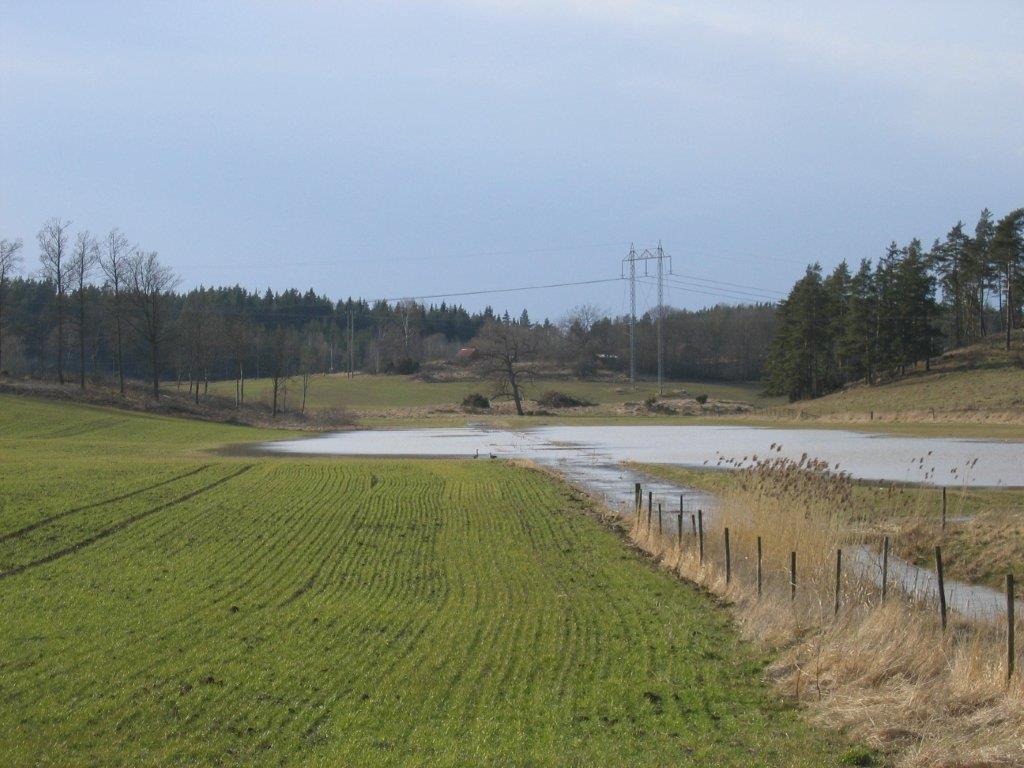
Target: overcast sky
393	148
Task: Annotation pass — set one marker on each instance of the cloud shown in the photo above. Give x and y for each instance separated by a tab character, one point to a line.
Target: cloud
929	45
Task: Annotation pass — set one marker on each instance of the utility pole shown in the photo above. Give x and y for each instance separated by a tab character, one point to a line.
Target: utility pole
659	256
661	312
632	316
351	346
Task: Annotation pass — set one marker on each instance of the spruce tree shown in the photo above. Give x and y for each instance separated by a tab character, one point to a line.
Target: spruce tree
799	358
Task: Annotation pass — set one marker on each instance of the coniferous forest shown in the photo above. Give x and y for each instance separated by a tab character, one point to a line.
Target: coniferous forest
875	323
101	309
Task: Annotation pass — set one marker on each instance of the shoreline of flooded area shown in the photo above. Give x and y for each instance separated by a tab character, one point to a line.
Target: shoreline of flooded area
865	456
593	458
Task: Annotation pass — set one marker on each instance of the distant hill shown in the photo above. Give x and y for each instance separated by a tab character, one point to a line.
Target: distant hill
982	382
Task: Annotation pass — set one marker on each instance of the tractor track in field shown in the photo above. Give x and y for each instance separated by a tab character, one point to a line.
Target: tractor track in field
112	500
111	530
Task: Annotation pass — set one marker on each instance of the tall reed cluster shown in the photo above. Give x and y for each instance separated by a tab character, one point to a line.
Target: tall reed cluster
884	671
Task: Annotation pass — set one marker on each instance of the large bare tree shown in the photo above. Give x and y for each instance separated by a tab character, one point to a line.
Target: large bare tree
10	259
150	285
283	348
53	255
115	261
84	257
239	335
197	334
505	351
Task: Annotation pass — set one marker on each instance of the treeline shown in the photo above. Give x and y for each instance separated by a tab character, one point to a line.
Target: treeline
900	312
102	308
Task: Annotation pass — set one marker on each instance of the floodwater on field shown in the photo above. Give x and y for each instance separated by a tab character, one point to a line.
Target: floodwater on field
942	461
591	457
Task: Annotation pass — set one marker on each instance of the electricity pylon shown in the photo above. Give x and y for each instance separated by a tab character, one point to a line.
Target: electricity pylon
629	263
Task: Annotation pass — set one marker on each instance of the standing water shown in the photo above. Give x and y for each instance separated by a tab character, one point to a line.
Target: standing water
591	458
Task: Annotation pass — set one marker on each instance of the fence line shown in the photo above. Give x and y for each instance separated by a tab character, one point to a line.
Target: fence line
697	523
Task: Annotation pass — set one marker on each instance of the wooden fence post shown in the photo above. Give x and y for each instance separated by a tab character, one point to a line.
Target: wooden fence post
885	567
637	497
728	558
1011	628
792	576
679	529
661	525
649	508
839	573
942	586
759	566
693	522
700	534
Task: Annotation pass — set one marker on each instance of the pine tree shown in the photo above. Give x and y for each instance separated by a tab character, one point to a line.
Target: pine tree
917	328
857	344
837	307
887	343
951	259
1008	253
981	273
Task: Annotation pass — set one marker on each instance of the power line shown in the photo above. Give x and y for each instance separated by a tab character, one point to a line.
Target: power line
721	294
723	282
684	285
502	290
414	259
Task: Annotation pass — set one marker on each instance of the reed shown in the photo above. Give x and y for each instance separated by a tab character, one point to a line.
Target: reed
884	672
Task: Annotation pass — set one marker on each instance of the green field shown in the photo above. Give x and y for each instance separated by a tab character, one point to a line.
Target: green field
367	391
165	605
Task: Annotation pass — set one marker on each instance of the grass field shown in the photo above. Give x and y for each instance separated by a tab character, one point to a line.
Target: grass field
164	605
979	380
367	391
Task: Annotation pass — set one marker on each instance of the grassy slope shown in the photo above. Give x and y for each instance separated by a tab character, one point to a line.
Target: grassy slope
981	550
377	396
980	379
292	611
368	391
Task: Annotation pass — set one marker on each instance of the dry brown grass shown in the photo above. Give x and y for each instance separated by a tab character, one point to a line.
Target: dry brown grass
177	402
977	384
886	674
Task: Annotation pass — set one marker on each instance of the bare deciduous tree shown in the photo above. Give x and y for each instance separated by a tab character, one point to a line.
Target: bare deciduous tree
53	255
196	334
114	261
282	356
505	351
239	341
10	259
84	257
150	285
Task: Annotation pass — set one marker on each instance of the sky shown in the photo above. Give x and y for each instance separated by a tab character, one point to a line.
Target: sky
407	148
